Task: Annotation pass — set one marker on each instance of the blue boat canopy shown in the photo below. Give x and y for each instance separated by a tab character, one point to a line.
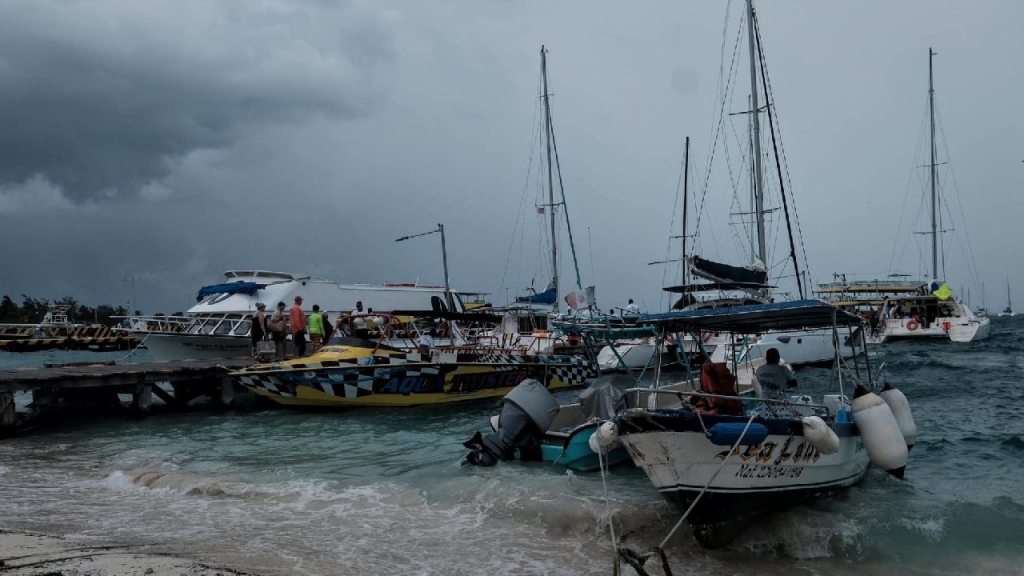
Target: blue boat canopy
546	297
758	318
229	288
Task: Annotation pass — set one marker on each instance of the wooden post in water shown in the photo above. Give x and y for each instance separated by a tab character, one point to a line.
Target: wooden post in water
7	415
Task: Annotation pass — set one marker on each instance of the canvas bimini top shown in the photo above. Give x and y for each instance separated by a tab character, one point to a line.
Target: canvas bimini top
756	319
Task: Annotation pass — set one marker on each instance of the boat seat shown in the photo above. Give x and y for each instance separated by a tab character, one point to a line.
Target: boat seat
715	378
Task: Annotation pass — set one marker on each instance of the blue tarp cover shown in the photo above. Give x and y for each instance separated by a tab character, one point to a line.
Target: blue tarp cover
546	297
229	288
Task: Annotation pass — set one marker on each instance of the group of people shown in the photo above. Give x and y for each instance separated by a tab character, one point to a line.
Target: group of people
317	326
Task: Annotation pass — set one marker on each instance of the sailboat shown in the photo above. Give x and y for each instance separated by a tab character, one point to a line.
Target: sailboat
535	320
749	284
1008	311
932	311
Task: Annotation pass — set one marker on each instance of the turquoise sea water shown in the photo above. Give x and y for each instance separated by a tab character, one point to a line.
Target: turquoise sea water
381	491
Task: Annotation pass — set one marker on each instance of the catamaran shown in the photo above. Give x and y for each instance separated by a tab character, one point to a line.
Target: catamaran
932	311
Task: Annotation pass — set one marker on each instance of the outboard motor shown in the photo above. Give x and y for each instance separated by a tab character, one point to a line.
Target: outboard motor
526	413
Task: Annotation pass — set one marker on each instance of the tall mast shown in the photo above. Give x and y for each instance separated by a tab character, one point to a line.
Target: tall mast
758	174
551	185
686	181
932	175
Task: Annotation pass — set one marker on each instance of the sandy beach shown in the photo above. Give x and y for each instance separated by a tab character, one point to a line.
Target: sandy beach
24	554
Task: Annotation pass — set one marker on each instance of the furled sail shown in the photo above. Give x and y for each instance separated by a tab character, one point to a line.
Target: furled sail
725	273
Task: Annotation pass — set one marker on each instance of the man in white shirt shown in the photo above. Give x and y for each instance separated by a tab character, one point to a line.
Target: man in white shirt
631	308
775	378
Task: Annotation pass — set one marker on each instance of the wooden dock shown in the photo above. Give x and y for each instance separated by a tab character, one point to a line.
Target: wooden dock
83	384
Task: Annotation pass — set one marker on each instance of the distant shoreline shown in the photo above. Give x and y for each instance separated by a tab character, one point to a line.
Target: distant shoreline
31	554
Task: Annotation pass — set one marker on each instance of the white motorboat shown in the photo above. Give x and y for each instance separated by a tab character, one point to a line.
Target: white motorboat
219	324
725	460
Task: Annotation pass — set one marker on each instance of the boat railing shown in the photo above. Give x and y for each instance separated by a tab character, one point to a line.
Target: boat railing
696	393
154	323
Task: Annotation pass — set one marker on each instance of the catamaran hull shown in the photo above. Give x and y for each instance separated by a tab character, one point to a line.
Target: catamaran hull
680	461
953	329
409	379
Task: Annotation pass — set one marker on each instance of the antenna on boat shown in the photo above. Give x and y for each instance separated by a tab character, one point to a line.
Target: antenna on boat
444	260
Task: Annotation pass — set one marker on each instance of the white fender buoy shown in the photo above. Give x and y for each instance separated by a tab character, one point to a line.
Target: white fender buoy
820	435
879	432
604	438
900	407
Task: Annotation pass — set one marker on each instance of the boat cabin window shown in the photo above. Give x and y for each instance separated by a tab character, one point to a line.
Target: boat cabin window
227	324
208	325
529	323
243	327
195	325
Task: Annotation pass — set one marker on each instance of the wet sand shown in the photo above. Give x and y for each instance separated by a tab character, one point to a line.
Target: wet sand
25	554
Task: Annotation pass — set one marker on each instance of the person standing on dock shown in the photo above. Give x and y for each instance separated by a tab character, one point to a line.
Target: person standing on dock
316	328
298	320
277	331
259	326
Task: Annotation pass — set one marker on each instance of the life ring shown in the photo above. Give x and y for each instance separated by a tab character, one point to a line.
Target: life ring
912	325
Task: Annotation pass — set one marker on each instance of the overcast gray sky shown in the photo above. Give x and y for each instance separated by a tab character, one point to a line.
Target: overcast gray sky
171	141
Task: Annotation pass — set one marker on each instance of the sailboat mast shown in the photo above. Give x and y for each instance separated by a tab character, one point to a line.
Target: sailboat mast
758	171
686	182
551	185
932	175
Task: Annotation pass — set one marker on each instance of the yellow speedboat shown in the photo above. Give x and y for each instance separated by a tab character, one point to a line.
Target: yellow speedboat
361	373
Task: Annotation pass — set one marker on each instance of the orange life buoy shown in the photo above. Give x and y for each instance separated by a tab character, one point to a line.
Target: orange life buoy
912	325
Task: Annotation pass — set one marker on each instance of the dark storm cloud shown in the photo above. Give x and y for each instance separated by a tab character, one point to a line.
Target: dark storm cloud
101	99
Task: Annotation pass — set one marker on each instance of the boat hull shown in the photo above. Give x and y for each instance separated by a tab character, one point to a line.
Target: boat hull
798	347
679	459
408	379
171	346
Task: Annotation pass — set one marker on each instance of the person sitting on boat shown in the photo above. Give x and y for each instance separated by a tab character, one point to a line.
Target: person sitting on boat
775	378
358	321
425	342
631	309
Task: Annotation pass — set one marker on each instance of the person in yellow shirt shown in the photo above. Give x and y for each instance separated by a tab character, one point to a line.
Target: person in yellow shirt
316	328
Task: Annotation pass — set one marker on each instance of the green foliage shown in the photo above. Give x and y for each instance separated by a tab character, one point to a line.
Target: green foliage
32	310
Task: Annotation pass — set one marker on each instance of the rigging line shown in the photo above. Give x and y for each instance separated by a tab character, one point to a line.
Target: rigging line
522	201
959	202
906	195
718	125
778	166
565	207
735	184
785	165
899	242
